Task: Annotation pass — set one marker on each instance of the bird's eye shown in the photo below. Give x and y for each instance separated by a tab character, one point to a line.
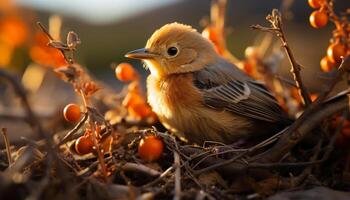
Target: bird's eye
172	51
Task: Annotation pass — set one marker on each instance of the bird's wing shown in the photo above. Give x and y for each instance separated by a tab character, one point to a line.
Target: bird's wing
225	87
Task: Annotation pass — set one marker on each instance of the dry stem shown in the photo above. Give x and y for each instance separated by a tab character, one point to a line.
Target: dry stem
177	176
8	146
42	28
275	20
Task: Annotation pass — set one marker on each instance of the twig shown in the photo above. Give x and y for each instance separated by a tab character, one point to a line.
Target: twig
68	136
164	174
214	154
90	167
140	168
177	176
8	147
177	165
240	155
43	29
312	161
275	20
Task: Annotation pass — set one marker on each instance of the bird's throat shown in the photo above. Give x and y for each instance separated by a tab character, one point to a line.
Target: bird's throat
154	67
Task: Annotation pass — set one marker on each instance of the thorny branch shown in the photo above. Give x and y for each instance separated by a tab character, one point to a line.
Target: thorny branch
275	20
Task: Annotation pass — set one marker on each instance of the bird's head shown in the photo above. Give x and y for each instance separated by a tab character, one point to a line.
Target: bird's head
175	48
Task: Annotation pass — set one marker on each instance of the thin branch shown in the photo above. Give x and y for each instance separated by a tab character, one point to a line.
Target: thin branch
240	155
8	147
164	174
140	168
43	29
275	20
68	136
177	176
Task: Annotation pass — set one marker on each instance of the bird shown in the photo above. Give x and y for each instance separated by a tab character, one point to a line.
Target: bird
199	95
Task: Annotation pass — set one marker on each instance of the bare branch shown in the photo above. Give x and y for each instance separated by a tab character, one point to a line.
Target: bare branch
275	20
7	145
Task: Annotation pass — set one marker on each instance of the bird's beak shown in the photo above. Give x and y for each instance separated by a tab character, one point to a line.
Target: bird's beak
140	54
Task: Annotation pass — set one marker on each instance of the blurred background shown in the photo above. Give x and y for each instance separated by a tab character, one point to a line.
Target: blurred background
110	28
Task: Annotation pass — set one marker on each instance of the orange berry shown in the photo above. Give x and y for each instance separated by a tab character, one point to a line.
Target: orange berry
316	3
335	52
140	110
318	19
313	97
72	112
326	64
211	34
150	148
132	99
14	30
84	145
125	72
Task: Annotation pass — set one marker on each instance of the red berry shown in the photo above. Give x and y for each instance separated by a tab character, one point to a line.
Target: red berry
72	112
318	19
316	3
150	148
125	72
336	51
84	145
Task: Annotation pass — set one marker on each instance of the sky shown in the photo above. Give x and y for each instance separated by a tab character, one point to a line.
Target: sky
95	11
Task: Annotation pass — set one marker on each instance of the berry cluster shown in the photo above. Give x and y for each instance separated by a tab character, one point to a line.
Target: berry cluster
150	147
339	43
134	101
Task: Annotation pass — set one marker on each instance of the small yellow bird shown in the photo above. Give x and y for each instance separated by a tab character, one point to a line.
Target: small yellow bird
202	96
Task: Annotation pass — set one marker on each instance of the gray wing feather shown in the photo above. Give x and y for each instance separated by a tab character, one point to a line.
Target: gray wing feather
225	87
